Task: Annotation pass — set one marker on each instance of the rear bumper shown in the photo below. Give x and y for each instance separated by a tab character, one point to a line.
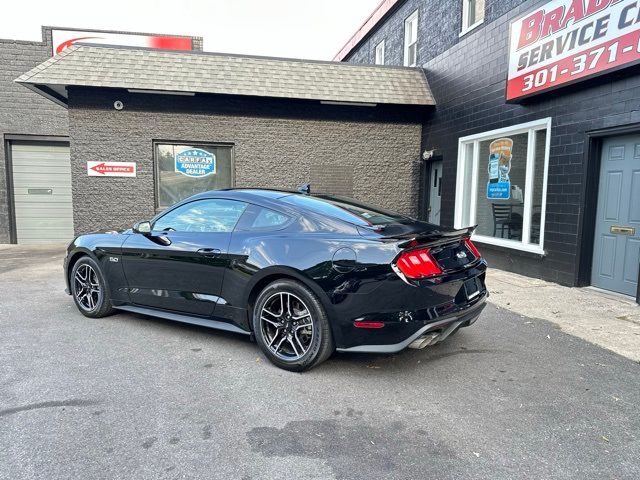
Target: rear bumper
405	310
461	319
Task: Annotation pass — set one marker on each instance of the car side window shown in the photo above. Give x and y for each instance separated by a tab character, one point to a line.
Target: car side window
203	216
261	219
268	219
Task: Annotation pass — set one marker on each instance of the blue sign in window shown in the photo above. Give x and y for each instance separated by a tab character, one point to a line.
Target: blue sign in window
196	162
499	191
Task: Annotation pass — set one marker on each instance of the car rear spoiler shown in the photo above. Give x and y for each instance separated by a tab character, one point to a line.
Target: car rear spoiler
435	237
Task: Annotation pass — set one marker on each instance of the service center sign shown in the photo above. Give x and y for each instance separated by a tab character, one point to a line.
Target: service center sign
569	40
62	39
111	169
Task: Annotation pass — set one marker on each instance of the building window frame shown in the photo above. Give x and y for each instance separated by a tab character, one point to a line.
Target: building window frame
379	53
409	42
473	141
467	26
207	144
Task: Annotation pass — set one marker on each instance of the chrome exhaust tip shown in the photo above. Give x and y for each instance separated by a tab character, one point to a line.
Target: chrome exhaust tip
424	341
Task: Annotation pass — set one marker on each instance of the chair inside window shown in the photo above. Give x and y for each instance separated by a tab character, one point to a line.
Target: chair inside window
505	222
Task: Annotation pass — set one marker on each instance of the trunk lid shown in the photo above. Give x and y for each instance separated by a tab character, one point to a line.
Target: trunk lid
447	246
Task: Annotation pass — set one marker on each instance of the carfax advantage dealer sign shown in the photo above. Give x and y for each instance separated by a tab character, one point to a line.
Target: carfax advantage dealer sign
569	40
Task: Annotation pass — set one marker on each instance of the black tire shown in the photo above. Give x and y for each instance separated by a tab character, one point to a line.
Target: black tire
319	343
96	304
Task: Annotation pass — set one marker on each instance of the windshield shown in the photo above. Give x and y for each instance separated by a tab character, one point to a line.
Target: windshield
344	209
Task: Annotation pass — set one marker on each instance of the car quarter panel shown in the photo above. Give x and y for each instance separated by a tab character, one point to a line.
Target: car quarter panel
306	256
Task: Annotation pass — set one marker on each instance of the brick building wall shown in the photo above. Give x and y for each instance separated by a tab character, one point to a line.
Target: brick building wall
468	78
371	153
439	26
22	111
469	82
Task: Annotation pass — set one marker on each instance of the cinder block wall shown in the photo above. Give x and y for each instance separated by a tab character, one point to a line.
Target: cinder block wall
371	153
21	110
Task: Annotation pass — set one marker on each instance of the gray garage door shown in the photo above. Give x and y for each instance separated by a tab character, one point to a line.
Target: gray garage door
42	193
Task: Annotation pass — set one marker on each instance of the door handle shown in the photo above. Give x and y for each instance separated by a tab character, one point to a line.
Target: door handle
209	252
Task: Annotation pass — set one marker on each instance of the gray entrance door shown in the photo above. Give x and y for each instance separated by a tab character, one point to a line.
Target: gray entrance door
42	193
435	192
616	252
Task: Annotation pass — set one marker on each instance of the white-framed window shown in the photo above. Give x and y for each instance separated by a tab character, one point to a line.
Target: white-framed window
501	185
472	15
380	53
411	40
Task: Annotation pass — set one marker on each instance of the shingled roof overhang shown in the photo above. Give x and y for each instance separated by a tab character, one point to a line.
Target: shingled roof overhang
165	71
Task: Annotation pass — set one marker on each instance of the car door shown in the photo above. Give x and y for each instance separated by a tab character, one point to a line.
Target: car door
180	264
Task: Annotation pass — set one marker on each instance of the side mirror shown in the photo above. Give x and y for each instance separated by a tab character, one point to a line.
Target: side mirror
142	227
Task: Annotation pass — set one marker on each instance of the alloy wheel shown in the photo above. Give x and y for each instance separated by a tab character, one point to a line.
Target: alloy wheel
87	287
287	326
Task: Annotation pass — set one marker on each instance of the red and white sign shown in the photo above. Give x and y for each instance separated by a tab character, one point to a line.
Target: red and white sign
111	169
565	41
65	38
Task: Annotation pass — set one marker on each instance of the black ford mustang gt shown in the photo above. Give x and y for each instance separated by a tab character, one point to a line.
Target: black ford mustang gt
302	274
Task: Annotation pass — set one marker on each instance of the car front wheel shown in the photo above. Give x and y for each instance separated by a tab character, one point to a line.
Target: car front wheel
291	326
89	289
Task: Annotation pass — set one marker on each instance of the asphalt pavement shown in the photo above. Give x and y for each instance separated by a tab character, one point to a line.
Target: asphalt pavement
135	397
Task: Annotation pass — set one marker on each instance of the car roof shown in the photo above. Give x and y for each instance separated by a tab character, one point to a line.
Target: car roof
291	202
263	192
258	196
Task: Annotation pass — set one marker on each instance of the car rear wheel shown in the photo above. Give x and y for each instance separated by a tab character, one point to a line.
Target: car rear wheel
89	289
291	326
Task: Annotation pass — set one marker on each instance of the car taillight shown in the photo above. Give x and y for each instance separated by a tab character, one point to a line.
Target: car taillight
472	248
418	264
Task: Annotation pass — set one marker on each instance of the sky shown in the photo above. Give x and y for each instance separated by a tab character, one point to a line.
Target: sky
283	28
